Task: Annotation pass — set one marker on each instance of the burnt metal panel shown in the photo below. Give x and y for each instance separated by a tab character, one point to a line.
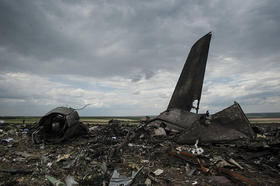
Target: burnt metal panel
189	85
230	124
234	117
178	119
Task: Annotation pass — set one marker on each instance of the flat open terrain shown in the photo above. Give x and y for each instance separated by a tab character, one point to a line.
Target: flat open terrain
127	119
264	120
87	120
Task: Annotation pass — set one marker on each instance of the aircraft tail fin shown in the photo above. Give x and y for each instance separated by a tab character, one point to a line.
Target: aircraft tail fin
189	85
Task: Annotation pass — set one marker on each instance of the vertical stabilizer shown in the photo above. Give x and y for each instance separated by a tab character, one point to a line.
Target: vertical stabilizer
189	85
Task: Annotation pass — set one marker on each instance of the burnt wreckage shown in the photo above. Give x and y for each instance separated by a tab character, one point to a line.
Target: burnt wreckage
59	124
62	123
227	125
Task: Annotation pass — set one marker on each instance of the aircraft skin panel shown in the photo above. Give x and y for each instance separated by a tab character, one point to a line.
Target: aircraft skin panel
189	85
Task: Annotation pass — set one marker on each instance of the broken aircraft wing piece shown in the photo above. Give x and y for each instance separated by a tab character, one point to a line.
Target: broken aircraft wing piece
189	85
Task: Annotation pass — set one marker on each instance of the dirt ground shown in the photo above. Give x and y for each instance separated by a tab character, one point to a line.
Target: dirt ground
157	160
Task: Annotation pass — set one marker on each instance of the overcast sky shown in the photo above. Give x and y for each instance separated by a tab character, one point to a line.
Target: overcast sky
125	57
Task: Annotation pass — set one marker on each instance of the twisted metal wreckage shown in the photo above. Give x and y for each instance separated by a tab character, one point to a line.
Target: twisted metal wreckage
59	124
227	125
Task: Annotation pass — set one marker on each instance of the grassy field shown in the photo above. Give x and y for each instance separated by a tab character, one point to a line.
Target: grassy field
89	120
19	120
104	120
264	120
128	119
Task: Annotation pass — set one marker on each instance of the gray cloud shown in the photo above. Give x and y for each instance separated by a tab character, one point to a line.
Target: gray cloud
122	36
136	40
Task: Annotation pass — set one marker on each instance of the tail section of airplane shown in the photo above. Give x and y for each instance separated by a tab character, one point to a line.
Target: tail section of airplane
189	85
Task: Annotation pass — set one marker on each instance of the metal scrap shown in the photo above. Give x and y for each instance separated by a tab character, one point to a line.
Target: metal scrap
55	181
197	150
70	181
232	161
117	179
237	176
158	172
60	124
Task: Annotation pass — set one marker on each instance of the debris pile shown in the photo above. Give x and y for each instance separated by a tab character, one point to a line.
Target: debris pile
131	154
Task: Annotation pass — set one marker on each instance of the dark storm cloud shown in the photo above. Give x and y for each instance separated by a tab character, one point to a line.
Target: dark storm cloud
25	29
135	41
247	31
105	38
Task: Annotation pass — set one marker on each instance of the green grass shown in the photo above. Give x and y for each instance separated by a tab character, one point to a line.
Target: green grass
267	118
104	120
19	120
89	120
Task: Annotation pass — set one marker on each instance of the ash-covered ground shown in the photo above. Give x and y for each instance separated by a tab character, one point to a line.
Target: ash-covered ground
139	157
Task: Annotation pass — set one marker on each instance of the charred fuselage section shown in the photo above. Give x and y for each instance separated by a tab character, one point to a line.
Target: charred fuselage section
59	124
227	125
